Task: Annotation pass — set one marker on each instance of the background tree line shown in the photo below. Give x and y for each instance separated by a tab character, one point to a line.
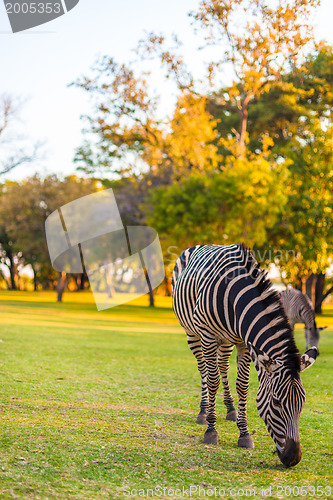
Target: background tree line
248	161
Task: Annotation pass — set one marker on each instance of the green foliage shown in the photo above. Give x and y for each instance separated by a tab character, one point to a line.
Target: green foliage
284	112
24	207
307	225
241	203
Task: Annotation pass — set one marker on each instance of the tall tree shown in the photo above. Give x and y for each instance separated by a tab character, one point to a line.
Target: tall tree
258	42
125	134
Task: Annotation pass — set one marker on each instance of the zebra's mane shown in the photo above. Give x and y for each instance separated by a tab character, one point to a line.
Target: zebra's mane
271	302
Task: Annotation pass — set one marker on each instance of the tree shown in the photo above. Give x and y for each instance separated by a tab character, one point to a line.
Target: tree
24	207
258	41
307	225
13	151
284	113
296	117
242	203
10	257
126	135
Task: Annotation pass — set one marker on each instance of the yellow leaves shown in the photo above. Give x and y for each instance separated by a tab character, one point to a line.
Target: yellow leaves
267	142
258	40
190	143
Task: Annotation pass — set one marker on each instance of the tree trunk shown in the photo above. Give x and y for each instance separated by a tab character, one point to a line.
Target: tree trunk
303	282
79	281
310	288
13	274
151	291
12	271
109	285
242	134
83	280
167	287
319	292
151	298
61	285
326	294
313	290
34	278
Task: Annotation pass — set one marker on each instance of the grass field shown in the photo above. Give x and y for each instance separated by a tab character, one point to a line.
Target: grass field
95	404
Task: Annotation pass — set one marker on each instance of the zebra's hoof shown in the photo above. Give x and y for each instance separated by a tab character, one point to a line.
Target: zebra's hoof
246	441
201	418
211	437
232	415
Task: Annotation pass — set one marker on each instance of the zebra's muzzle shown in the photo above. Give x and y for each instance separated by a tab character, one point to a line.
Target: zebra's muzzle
291	454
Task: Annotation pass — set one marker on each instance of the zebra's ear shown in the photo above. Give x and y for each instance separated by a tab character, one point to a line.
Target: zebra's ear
262	360
309	357
321	328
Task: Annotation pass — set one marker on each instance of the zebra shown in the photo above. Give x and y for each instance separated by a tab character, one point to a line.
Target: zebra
222	298
299	310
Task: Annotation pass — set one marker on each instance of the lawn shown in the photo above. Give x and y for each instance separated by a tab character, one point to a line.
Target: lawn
97	405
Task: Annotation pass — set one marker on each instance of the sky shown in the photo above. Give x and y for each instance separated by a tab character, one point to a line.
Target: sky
38	65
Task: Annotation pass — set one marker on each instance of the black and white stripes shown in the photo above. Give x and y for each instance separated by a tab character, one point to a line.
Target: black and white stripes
299	310
222	298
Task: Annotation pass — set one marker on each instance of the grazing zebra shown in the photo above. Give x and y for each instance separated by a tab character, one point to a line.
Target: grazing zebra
299	310
222	298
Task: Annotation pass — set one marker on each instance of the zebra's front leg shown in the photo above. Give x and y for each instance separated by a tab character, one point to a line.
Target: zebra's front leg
194	343
242	385
224	353
209	347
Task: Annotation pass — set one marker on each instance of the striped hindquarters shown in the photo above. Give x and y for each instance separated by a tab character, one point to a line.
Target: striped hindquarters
298	307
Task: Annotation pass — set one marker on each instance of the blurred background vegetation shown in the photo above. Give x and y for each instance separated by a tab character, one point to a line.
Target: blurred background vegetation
249	160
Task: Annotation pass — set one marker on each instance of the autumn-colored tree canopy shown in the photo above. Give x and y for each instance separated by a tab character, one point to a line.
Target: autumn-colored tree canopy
245	151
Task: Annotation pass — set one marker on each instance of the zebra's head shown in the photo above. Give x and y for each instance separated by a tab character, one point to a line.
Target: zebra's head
280	401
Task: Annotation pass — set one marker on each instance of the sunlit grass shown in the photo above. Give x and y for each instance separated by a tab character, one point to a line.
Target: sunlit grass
93	401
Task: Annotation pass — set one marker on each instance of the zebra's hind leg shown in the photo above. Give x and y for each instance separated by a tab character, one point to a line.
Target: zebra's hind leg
194	343
224	353
209	347
242	385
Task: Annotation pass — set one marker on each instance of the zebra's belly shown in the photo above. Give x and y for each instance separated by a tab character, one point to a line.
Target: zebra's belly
219	332
206	318
197	313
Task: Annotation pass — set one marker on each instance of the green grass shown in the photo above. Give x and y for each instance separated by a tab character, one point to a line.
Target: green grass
94	402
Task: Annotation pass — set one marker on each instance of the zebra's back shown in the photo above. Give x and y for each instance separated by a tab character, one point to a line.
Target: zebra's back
298	307
201	278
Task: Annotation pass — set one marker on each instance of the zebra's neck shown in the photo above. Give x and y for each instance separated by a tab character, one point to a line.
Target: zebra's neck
262	322
259	317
